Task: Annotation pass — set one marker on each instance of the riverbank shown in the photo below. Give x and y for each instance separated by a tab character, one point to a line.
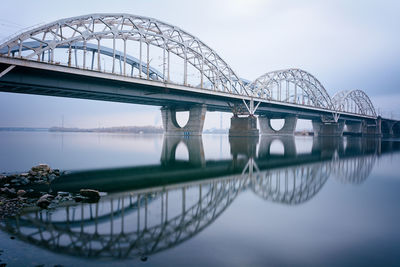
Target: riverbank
15	191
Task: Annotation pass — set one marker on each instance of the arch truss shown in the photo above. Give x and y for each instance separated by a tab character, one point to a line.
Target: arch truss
354	101
110	42
291	86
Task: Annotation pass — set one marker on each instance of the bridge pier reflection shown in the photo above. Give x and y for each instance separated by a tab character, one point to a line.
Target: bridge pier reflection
193	144
288	142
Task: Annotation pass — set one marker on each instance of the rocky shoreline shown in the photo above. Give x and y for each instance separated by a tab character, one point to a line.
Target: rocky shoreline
15	193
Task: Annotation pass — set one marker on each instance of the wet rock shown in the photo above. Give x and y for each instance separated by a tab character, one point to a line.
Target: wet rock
21	192
9	192
44	201
91	194
41	167
63	194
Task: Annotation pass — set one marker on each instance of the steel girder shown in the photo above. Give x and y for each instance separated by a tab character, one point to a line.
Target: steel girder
310	88
126	27
353	101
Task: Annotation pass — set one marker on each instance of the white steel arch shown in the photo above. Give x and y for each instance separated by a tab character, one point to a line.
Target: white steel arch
292	86
120	30
354	101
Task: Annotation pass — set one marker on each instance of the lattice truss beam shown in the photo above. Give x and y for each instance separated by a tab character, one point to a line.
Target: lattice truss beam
354	101
292	86
116	35
147	48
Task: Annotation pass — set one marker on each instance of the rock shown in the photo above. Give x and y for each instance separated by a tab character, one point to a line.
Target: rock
32	173
6	185
8	192
41	167
44	201
21	192
15	181
63	194
90	194
52	177
47	196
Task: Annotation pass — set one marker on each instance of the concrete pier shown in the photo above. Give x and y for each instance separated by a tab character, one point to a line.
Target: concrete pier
194	126
328	128
288	128
243	126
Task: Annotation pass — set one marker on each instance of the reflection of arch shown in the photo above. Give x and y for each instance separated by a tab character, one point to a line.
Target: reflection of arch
194	145
294	185
135	233
125	29
288	142
282	85
354	170
354	101
151	220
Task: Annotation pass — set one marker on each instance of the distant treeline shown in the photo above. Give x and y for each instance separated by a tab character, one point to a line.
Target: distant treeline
122	129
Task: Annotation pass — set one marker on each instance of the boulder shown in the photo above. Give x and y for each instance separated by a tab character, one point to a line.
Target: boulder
44	201
90	194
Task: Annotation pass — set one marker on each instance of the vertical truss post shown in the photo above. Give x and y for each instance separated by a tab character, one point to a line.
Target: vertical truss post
98	55
202	73
140	57
164	62
92	66
69	55
84	54
148	60
113	64
185	68
124	56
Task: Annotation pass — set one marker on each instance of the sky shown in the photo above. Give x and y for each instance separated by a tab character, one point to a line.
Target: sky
344	44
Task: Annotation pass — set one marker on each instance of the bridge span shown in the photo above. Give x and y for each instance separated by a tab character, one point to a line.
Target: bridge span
135	59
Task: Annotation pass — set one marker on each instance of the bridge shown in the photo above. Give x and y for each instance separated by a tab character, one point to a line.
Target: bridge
153	215
135	59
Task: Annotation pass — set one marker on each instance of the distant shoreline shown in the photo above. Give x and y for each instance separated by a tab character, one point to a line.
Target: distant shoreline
122	129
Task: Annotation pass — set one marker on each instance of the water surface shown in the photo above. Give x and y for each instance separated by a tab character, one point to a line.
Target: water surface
210	201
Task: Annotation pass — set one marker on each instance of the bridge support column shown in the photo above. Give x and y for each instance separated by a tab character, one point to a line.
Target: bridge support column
354	128
328	128
243	126
194	126
372	128
288	128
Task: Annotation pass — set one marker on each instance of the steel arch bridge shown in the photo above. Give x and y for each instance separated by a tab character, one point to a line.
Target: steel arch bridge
121	31
354	101
282	85
127	45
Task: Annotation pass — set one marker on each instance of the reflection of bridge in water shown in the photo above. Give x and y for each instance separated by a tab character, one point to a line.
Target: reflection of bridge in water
178	199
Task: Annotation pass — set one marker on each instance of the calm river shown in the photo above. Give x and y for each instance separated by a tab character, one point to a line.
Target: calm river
210	201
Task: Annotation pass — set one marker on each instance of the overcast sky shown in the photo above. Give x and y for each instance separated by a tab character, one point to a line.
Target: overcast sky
345	44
